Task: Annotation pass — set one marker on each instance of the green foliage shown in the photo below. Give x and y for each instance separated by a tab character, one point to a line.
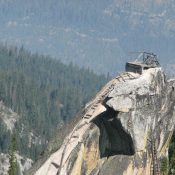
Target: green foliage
164	166
172	156
44	92
13	162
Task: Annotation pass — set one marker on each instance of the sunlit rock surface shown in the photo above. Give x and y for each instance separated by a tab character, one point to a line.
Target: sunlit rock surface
125	129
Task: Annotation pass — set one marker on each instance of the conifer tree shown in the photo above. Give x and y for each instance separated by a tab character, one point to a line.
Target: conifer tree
12	160
164	166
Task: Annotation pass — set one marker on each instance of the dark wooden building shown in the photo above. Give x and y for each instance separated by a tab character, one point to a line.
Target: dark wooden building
149	61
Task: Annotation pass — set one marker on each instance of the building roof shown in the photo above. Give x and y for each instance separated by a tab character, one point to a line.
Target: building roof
141	64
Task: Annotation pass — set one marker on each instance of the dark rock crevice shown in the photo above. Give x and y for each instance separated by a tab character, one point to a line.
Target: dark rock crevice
114	140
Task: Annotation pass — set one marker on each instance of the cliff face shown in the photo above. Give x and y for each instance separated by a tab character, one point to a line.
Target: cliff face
125	129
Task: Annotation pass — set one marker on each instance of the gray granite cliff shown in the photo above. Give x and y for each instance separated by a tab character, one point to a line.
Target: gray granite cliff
125	129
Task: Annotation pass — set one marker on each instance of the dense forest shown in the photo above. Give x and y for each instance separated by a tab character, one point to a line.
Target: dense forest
44	92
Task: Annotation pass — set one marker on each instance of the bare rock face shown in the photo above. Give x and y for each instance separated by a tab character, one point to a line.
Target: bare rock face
8	116
125	129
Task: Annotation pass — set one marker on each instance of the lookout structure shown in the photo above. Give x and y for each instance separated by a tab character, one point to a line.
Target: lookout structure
149	60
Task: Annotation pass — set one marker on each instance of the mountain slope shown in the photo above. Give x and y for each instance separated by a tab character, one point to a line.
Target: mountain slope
44	92
97	34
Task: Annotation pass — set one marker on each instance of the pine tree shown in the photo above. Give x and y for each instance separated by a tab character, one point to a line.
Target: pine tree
12	160
164	166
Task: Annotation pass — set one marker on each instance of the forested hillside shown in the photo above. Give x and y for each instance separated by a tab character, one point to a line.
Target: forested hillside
45	94
94	33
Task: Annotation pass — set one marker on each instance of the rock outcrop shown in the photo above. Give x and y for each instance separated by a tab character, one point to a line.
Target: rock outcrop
8	117
23	164
125	129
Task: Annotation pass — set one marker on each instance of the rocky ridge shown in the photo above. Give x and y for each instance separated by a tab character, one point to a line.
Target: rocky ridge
124	130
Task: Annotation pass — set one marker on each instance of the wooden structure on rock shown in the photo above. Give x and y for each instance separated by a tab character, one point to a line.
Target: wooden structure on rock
149	60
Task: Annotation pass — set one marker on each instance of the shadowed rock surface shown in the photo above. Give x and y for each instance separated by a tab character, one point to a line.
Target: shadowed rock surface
125	129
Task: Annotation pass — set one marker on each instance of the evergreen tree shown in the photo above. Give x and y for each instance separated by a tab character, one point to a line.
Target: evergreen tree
12	160
172	156
164	166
